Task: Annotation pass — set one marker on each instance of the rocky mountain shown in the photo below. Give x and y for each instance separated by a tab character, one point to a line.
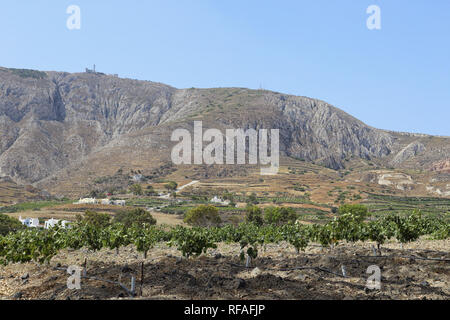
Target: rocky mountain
54	125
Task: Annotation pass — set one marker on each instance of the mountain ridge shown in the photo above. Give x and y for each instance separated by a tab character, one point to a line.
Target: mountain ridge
52	121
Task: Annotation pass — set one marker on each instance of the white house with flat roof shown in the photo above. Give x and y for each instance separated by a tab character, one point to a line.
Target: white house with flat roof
86	201
53	222
30	222
217	200
105	201
119	202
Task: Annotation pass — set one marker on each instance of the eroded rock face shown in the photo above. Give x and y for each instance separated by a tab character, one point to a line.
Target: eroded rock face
54	121
48	123
408	152
441	166
316	130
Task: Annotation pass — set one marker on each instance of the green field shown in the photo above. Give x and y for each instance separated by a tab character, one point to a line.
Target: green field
36	206
383	204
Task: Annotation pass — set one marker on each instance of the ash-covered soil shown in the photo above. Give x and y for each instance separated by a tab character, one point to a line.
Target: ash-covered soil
278	273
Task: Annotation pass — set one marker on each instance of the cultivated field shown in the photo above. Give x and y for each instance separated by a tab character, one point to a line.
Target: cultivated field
278	273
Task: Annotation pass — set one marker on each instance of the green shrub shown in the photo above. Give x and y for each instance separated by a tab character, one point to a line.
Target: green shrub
203	215
136	217
228	196
136	189
171	186
252	199
278	216
357	211
99	220
8	224
254	214
96	194
27	73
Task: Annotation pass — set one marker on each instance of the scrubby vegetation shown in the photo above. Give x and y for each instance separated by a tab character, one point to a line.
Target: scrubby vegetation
98	220
278	216
254	215
8	224
135	217
27	73
203	216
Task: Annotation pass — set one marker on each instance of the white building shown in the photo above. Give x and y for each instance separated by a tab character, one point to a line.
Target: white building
217	200
30	222
119	202
101	201
86	201
105	201
53	222
137	177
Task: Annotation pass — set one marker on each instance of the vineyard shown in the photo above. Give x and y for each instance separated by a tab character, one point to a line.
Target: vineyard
42	245
279	257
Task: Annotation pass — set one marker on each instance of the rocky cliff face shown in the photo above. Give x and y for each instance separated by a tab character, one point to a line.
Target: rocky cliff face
441	166
54	121
49	123
315	130
410	151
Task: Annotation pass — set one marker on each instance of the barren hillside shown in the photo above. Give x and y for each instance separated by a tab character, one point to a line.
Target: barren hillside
59	128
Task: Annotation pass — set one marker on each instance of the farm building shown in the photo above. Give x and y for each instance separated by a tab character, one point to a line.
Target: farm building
30	222
138	177
119	202
86	201
217	200
53	222
101	201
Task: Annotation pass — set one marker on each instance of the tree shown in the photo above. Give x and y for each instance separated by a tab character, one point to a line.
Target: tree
8	224
192	242
150	191
407	229
136	189
252	199
145	237
115	236
254	214
357	211
228	196
95	219
278	216
203	215
171	186
96	194
136	217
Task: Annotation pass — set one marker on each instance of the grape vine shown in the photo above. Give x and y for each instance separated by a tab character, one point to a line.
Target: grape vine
42	245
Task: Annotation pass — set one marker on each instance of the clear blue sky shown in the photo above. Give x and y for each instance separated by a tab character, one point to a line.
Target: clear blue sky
396	78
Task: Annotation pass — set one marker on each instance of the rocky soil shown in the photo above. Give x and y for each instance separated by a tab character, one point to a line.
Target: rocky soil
420	270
